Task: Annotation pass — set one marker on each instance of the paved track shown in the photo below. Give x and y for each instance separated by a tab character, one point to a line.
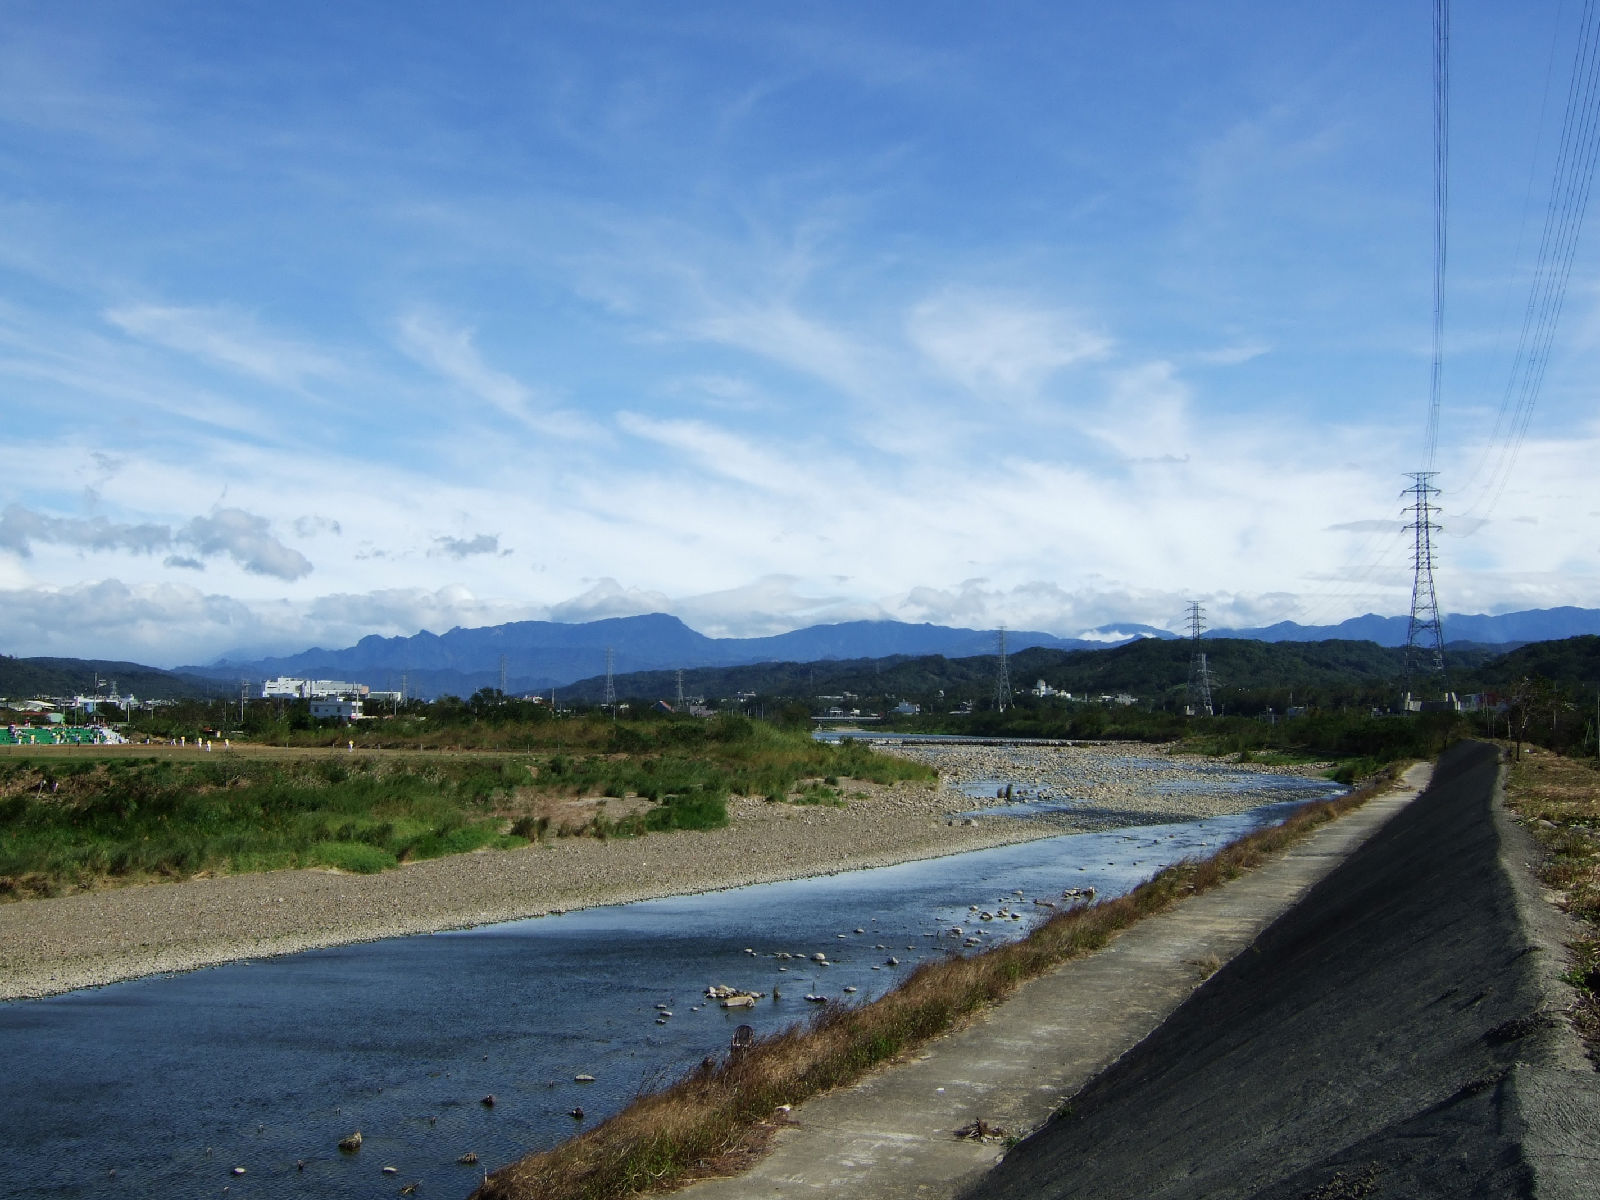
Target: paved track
892	1135
1396	1034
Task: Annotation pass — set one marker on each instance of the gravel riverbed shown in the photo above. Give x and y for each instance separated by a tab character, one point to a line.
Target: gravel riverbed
68	942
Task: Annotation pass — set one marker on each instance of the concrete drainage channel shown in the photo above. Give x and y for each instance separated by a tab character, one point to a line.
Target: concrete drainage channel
896	1133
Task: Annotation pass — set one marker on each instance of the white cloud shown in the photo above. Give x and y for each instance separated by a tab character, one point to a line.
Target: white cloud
247	539
998	348
721	452
779	331
226	338
1232	356
608	598
21	527
454	547
310	526
452	352
242	536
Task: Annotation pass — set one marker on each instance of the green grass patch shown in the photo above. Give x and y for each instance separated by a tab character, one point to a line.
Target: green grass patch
357	857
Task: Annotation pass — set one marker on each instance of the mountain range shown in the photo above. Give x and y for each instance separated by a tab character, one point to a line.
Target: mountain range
538	655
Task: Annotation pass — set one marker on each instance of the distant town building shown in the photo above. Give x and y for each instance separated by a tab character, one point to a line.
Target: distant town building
285	687
345	709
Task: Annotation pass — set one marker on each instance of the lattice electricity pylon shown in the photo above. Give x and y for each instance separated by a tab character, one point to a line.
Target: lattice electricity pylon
611	686
1425	632
681	706
1002	676
1199	670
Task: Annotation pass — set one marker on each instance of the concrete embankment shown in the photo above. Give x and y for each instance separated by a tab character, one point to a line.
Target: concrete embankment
1387	1024
1398	1033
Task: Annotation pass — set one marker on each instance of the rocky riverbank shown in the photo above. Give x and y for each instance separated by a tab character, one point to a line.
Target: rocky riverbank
70	942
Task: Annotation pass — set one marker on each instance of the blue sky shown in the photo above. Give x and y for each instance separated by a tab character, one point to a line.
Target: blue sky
326	320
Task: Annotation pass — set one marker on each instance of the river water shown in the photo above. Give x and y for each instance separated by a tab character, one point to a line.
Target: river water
162	1086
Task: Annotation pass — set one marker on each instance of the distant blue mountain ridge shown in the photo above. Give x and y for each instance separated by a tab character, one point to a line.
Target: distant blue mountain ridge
539	655
1506	629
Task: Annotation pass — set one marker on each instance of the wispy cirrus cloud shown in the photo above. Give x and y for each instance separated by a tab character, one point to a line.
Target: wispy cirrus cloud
451	351
225	337
719	451
998	347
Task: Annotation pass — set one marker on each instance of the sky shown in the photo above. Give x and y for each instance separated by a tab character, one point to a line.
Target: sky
318	321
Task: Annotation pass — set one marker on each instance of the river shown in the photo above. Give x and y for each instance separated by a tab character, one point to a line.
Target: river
163	1086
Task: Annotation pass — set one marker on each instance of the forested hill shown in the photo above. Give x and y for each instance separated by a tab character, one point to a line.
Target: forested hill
1150	668
24	678
1574	660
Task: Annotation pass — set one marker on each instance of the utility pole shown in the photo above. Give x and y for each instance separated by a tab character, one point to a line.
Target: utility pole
1424	633
611	687
1002	674
1199	669
502	676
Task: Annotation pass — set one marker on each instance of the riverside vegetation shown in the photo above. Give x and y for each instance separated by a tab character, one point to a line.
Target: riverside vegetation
721	1112
72	819
1559	799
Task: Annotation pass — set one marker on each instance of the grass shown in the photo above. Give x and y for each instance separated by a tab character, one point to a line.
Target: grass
1559	800
76	823
77	819
717	1113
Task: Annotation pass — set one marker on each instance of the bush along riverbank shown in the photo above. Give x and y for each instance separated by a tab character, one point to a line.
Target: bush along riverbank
720	1114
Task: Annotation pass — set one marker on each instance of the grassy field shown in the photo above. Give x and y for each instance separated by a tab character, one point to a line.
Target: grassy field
73	818
715	1115
1559	798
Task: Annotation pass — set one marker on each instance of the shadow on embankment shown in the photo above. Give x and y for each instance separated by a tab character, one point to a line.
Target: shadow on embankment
1390	1036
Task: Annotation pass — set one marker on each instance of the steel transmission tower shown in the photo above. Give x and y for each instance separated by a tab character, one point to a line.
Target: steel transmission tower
611	686
681	706
1425	633
1199	669
1002	676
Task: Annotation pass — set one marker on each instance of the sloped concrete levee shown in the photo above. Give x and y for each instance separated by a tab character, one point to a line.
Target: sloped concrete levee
893	1134
1399	1033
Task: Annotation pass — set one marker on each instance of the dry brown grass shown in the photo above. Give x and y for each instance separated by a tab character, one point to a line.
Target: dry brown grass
1559	800
720	1114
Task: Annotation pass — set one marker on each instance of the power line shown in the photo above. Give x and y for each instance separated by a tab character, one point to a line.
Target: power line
1565	211
1441	208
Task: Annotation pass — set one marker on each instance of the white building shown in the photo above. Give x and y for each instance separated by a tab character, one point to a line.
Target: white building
338	710
285	687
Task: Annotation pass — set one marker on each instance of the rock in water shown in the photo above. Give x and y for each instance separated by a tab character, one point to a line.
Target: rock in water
352	1143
